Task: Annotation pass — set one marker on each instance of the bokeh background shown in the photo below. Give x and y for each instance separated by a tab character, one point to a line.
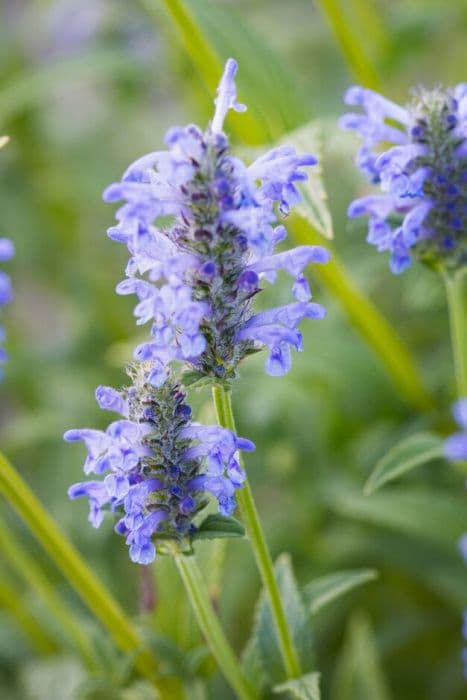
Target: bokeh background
85	88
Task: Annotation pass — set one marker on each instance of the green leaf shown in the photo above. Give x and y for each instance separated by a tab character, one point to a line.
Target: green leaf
314	207
324	590
409	453
215	526
430	515
262	655
359	675
303	688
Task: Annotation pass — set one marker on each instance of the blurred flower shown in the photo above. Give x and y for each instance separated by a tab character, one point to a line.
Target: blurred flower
159	465
202	227
455	447
7	251
423	210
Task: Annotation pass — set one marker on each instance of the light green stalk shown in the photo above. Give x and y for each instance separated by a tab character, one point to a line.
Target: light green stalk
250	517
33	631
98	599
23	563
457	305
211	627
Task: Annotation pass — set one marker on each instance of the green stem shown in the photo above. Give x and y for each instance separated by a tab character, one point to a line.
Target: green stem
36	635
455	293
210	626
22	562
98	599
250	517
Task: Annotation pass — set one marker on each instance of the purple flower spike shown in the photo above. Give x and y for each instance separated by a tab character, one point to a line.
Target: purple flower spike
197	275
424	208
159	466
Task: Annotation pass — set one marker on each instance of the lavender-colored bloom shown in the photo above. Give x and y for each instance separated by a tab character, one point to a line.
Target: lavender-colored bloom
159	466
7	251
423	176
196	276
455	447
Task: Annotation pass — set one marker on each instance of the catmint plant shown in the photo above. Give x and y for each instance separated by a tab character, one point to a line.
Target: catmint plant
422	209
202	231
7	251
160	466
455	446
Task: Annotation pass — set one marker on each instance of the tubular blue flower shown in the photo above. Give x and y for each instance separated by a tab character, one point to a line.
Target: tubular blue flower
7	251
202	228
159	466
423	211
455	446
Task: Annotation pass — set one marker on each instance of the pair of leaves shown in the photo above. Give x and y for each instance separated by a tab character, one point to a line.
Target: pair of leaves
261	661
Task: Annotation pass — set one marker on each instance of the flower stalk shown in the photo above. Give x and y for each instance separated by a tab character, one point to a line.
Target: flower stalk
455	293
223	405
210	626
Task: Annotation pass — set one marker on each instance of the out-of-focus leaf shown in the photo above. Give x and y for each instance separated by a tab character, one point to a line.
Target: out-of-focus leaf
303	688
410	453
314	208
215	526
29	88
336	14
322	591
53	678
434	516
359	675
262	654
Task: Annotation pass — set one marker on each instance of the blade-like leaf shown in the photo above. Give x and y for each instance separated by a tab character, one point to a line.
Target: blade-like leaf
215	526
304	688
324	590
408	454
262	650
430	515
359	675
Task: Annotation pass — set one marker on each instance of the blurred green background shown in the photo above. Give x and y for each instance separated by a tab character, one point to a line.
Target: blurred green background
87	87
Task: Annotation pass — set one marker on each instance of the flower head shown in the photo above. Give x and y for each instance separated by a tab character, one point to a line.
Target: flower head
159	466
7	251
423	176
455	447
201	228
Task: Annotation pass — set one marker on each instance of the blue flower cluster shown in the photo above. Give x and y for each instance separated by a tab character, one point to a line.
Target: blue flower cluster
159	465
201	228
423	176
7	251
455	446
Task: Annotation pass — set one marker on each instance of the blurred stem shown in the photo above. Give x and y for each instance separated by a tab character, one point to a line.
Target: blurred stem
250	517
367	319
34	632
98	599
349	43
21	561
455	292
211	627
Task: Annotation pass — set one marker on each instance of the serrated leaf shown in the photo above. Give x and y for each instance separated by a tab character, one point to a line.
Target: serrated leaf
314	207
359	674
304	688
409	453
323	590
192	378
262	652
215	526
